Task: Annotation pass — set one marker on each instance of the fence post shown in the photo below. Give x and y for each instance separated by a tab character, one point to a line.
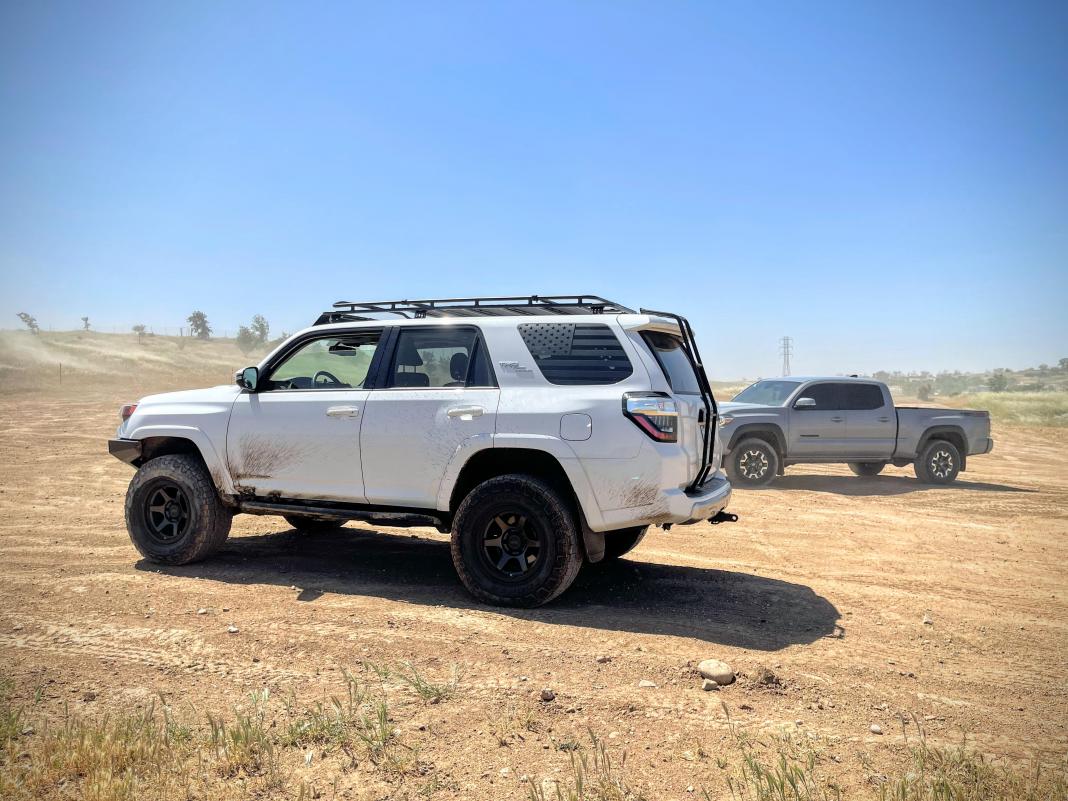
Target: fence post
61	373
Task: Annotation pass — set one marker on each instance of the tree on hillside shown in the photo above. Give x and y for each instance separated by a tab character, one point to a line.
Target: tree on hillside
924	392
198	325
999	382
31	322
246	339
139	329
260	328
85	323
1063	364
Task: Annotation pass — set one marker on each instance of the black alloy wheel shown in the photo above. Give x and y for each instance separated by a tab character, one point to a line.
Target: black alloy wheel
511	545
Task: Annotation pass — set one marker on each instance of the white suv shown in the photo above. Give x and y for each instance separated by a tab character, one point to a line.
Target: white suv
541	432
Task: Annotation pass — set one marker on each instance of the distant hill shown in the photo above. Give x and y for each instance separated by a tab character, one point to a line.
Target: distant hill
90	358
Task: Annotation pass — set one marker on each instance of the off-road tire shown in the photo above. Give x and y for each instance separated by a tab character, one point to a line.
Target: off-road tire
204	523
546	512
752	463
310	525
618	543
938	462
867	469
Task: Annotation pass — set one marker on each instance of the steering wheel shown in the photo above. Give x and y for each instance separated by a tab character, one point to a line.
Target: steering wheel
333	379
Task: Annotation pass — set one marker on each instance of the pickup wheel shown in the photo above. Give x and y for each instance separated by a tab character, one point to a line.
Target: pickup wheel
938	462
867	468
618	543
311	525
173	511
515	542
753	463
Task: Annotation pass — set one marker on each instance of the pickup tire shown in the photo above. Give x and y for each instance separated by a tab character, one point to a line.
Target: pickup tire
618	543
867	469
311	525
173	512
753	463
938	462
515	541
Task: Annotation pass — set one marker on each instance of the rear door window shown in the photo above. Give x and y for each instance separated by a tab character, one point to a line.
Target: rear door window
672	358
576	353
429	358
862	397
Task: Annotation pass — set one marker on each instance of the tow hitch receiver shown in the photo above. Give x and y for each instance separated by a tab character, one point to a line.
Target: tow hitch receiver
723	517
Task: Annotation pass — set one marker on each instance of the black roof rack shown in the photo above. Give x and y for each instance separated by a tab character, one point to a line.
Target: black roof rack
520	305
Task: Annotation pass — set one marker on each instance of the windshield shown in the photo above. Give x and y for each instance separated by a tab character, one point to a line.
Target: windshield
767	393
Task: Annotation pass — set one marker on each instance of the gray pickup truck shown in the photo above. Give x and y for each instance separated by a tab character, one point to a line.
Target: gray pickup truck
785	421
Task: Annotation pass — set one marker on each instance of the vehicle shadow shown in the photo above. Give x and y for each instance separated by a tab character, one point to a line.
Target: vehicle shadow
881	485
716	606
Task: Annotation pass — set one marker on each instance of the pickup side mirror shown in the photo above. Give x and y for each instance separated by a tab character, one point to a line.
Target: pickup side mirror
805	403
248	378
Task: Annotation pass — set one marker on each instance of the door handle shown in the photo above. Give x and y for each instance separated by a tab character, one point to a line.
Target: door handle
837	419
884	419
342	411
466	411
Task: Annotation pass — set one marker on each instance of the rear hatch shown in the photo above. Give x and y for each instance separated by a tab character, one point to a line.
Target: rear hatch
672	344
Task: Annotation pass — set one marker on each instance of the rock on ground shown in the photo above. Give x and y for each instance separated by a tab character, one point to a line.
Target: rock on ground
719	672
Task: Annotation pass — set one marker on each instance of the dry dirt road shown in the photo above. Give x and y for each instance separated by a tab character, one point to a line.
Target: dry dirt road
826	581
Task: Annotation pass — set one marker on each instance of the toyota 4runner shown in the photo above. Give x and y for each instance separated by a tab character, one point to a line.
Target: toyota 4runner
541	432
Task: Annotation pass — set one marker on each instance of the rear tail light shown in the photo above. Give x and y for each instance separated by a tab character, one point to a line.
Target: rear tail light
653	413
127	410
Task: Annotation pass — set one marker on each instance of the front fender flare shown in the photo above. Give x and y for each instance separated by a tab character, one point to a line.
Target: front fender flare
216	467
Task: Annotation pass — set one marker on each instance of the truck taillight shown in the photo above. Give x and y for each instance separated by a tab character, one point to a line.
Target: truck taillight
127	410
653	413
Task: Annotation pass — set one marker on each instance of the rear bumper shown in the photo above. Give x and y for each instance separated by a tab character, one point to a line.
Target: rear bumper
674	507
125	450
981	446
710	498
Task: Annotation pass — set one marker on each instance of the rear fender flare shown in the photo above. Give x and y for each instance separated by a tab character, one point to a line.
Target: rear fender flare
958	438
553	446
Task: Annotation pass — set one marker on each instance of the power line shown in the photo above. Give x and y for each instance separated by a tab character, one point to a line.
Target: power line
786	348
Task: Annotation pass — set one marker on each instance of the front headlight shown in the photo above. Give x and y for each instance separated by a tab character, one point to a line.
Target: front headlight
725	420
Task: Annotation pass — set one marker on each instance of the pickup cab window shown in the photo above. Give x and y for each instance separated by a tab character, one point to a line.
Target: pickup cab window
767	393
827	396
862	397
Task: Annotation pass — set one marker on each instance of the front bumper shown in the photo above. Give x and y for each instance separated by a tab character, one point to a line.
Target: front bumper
125	450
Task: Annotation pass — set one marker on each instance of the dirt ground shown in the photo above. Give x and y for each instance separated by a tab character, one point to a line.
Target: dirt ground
868	599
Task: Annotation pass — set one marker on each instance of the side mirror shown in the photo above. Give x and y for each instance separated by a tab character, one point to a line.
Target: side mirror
248	378
805	403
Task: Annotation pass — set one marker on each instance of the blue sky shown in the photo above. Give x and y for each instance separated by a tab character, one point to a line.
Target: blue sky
887	183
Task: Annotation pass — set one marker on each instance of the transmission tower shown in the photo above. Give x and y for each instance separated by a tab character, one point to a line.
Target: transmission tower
786	348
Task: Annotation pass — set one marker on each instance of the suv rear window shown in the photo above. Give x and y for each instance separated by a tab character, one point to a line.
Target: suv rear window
669	353
576	353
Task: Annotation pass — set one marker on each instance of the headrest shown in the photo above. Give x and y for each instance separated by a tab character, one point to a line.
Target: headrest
411	380
458	366
407	354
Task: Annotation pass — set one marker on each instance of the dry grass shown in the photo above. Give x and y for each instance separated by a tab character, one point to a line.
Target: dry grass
151	755
592	777
790	768
962	774
1021	408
